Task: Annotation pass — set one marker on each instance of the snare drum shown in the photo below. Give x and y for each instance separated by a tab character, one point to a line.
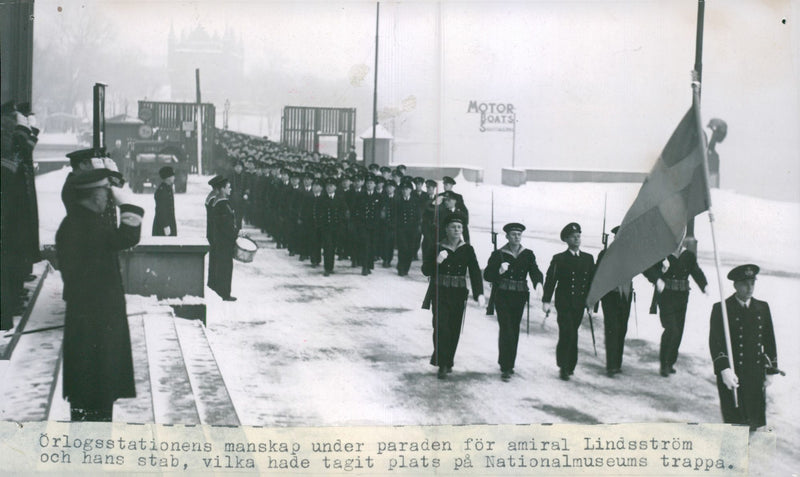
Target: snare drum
245	249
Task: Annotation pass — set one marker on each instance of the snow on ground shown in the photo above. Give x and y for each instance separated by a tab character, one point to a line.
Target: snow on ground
302	349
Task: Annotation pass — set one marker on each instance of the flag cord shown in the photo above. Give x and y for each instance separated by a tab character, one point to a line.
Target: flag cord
723	308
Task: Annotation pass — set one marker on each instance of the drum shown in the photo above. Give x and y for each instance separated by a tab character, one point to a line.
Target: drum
245	249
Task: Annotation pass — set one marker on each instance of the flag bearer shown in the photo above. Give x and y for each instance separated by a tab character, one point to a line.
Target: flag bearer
754	352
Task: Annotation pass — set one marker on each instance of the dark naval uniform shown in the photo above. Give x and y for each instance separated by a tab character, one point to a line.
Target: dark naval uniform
509	295
98	364
224	245
447	296
616	312
673	300
569	276
408	227
754	355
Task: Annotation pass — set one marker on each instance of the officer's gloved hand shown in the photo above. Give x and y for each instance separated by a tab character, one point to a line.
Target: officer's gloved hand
481	300
729	378
167	230
122	195
503	267
546	308
660	285
441	257
110	164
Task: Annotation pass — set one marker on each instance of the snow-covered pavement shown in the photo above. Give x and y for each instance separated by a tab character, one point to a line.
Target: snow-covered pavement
298	348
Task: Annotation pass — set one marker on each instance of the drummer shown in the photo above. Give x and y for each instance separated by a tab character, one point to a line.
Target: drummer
224	245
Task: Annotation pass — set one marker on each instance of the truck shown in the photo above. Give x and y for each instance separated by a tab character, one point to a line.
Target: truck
145	158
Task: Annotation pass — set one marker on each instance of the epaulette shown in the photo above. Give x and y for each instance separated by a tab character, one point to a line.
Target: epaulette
10	164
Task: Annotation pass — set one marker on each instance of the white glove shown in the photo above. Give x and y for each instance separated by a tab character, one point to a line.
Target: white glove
546	307
481	300
110	164
503	267
660	285
729	378
441	257
167	230
244	197
122	195
664	265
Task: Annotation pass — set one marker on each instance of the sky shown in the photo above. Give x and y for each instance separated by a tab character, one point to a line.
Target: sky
595	84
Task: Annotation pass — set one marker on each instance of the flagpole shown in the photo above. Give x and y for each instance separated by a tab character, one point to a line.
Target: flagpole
701	138
697	75
375	87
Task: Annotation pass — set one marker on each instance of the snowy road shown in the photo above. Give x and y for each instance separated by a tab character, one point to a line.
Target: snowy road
302	349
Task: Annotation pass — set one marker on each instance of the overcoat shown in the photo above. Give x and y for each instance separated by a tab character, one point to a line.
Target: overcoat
98	366
165	211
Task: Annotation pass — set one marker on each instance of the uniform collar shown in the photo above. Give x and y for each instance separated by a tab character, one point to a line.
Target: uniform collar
743	304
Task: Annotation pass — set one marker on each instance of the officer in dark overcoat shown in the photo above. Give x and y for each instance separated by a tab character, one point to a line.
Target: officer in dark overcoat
330	222
223	221
671	296
98	365
366	214
447	264
508	270
408	226
616	311
754	352
164	224
569	276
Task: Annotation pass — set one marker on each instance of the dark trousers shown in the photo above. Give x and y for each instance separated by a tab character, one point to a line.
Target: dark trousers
569	321
405	249
752	401
223	270
212	268
100	414
509	306
315	247
616	311
367	241
672	312
328	243
387	240
448	313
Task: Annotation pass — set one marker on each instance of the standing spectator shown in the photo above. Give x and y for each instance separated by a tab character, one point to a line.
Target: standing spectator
98	365
164	222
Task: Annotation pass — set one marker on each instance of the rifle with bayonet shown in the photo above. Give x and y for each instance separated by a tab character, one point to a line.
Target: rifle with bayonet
490	303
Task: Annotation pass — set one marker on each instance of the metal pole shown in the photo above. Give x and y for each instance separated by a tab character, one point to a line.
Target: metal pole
375	86
725	324
697	75
513	142
199	123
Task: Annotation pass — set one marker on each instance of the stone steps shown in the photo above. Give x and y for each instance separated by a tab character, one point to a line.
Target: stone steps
177	377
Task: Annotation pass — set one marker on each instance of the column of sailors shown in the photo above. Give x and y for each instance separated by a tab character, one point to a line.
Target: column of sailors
320	209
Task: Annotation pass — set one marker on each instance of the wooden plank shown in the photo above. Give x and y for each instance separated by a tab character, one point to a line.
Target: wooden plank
32	371
173	401
211	395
